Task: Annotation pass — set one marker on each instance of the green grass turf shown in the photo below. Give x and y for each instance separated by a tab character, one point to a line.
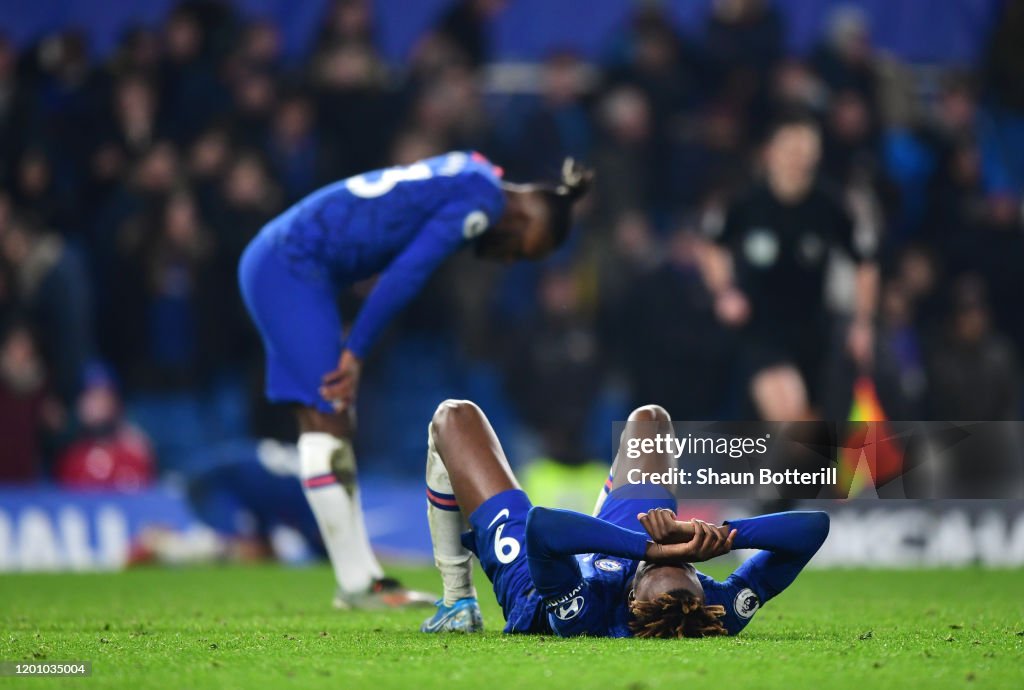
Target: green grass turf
268	626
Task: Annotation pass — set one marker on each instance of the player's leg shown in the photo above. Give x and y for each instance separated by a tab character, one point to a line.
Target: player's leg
462	443
301	332
471	453
469	480
458	609
647	421
327	470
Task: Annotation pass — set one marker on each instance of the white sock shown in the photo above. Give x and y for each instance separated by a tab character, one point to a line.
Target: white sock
366	555
337	510
446	522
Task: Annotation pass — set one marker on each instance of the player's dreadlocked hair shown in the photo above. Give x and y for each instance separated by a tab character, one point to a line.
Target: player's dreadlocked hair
675	614
574	183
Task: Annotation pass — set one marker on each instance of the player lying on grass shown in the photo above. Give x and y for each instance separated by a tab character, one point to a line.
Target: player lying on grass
401	223
625	572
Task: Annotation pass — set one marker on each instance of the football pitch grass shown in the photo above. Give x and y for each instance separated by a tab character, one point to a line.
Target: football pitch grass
270	626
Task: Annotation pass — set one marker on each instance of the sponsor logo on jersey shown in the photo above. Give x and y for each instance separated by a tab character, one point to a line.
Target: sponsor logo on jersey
569	596
570	609
476	222
746	603
608	565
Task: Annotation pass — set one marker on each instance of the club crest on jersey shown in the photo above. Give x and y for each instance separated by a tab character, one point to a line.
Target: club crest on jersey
569	609
476	222
761	247
812	249
746	603
608	565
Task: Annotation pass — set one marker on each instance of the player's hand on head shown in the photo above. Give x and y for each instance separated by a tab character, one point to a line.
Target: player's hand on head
708	541
663	527
716	541
339	387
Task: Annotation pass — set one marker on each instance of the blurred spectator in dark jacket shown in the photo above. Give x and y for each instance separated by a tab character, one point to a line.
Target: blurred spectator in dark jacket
711	159
450	109
142	191
14	110
63	91
744	40
134	124
108	452
676	353
166	259
1002	76
36	192
845	59
973	372
8	292
259	47
850	141
254	99
956	197
249	198
918	272
554	368
899	371
358	114
557	126
347	22
659	61
993	248
296	150
54	290
208	161
1004	63
189	80
465	28
137	53
128	130
624	154
796	86
634	254
25	407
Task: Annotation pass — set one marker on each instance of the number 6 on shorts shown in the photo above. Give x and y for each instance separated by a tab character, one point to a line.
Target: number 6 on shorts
505	548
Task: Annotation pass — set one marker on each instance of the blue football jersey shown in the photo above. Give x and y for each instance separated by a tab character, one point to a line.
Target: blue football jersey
736	596
597	606
400	222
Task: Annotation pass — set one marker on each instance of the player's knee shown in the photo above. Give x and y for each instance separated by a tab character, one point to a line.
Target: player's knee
818	524
337	424
650	413
451	415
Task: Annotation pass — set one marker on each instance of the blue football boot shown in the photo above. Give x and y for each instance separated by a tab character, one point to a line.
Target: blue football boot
462	616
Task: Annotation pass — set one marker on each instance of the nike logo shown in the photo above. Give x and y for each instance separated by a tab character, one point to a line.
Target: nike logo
504	513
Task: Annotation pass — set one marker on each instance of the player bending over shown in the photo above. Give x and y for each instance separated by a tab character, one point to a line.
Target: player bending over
624	572
402	223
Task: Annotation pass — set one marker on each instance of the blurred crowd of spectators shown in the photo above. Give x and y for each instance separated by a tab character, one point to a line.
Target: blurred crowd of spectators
129	187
